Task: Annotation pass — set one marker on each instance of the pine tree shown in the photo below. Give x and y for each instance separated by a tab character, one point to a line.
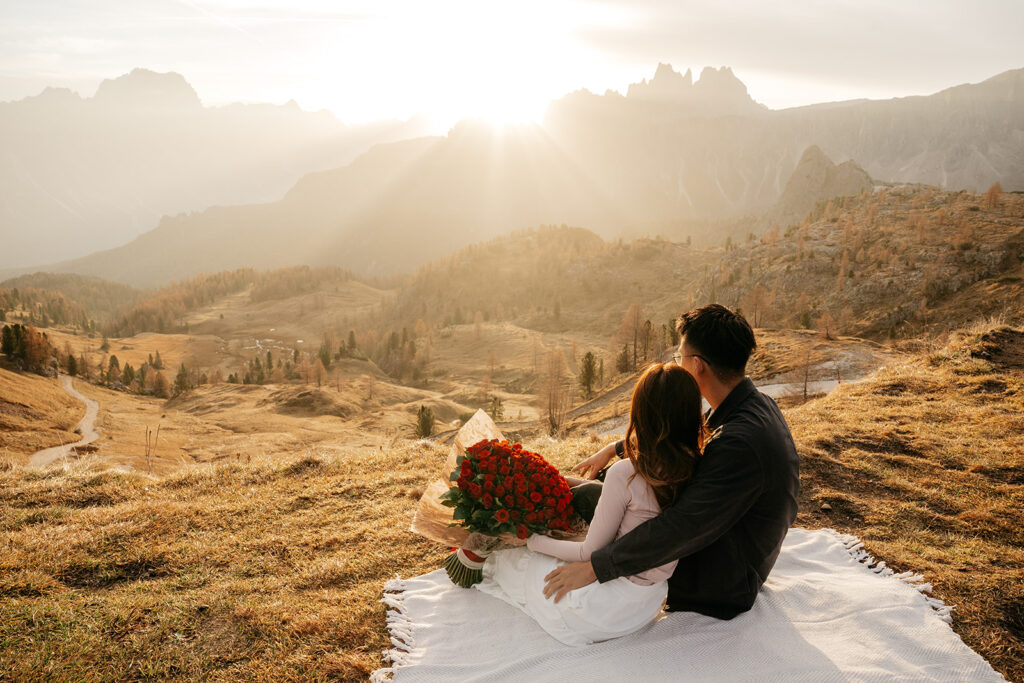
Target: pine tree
324	353
158	362
181	381
7	340
588	374
424	422
622	362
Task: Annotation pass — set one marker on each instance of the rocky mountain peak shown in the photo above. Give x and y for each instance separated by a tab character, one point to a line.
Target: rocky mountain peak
720	86
667	85
716	92
816	178
145	88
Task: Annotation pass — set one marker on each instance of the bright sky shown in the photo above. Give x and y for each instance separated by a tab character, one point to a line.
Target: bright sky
450	59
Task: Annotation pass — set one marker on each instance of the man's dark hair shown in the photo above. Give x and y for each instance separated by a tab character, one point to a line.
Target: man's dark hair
721	337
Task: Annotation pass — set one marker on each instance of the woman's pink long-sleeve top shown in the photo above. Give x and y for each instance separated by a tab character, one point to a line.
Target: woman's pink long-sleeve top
624	504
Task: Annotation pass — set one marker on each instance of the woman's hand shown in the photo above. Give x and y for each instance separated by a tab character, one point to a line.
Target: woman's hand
512	539
595	463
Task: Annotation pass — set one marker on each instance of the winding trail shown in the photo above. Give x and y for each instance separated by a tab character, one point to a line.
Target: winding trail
86	427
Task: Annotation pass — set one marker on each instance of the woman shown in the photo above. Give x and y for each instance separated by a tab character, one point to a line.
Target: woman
665	434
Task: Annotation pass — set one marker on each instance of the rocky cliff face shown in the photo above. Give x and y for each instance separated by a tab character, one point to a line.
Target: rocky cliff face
815	179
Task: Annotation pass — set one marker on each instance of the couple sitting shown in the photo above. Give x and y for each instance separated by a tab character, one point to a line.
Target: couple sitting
695	512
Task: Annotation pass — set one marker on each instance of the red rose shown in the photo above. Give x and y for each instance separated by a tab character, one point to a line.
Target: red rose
522	531
535	497
514	515
474	490
509	501
501	515
487	500
530	517
550	502
499	490
488	485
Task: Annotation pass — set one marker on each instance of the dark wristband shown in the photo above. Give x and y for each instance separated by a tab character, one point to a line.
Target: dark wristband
620	448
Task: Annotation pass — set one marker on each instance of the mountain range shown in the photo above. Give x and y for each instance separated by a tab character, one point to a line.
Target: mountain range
81	174
672	156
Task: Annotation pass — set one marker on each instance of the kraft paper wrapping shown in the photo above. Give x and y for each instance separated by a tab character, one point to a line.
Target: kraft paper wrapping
432	518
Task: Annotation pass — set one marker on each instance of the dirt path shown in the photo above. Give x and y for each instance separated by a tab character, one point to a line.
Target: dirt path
86	427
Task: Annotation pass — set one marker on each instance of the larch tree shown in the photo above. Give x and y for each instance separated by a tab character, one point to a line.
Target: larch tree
161	387
631	329
554	395
994	195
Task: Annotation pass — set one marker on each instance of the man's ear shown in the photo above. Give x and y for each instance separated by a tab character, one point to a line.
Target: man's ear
702	368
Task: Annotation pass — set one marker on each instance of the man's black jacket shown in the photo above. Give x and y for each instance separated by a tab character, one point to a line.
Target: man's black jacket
728	524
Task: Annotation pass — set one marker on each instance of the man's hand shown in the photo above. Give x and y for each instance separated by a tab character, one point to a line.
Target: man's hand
567	578
595	463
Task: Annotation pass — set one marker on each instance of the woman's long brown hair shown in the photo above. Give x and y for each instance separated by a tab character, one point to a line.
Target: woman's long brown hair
666	429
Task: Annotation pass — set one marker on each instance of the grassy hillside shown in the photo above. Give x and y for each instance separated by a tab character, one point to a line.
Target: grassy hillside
900	262
552	279
35	413
272	568
88	298
925	462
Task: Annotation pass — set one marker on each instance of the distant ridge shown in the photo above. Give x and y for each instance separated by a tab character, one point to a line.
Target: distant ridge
87	173
670	158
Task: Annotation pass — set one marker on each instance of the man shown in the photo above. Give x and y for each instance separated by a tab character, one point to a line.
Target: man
728	524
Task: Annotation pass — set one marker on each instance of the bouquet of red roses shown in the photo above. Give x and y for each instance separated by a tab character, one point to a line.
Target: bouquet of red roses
501	488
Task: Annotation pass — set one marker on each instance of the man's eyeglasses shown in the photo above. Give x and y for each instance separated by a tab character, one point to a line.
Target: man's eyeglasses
676	357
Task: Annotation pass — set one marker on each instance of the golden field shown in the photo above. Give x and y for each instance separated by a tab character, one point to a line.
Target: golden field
268	566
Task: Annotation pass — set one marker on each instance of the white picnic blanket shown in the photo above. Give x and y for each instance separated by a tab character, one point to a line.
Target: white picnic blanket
827	613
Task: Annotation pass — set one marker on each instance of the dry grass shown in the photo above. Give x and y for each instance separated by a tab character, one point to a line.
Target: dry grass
268	570
273	569
265	571
35	413
925	462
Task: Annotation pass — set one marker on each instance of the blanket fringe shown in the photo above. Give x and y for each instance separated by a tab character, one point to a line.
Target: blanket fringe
400	630
855	547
